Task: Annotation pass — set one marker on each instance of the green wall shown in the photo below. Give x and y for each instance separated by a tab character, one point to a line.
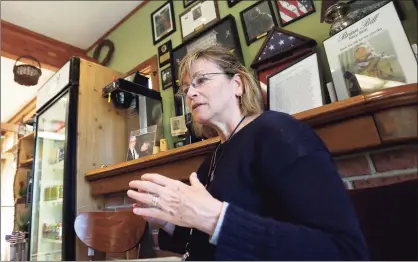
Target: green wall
133	39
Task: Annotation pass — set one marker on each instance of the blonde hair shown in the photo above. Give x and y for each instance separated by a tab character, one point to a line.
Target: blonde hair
251	100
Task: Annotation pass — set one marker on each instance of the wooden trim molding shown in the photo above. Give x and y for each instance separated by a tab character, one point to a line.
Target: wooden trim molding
17	41
143	2
360	123
24	113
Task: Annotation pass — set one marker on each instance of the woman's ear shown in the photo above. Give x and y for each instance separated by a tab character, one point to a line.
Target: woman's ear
239	87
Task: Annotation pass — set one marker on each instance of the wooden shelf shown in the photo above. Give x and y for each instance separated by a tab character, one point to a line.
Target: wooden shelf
11	150
26	163
360	123
29	136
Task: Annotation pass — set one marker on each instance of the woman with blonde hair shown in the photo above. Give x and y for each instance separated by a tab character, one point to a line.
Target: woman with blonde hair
269	191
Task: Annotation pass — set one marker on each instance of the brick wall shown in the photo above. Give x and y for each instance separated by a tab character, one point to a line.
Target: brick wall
379	167
361	170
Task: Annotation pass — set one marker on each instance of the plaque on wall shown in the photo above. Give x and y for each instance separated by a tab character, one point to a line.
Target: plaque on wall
164	53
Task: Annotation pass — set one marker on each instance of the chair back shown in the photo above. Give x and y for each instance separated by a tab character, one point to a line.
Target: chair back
110	231
388	216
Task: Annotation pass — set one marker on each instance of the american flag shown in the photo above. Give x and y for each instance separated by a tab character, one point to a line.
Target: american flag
291	9
278	43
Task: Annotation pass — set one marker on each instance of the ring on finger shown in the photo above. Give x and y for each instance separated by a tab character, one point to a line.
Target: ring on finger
155	200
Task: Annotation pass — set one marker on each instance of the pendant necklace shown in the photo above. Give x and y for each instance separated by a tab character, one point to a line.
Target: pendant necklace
211	175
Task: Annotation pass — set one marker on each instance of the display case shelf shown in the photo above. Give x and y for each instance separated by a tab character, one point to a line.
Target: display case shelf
51	240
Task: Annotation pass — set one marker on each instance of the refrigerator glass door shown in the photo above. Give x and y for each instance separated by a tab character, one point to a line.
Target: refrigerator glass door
47	205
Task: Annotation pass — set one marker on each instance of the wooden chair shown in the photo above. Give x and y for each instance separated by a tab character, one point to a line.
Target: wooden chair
114	232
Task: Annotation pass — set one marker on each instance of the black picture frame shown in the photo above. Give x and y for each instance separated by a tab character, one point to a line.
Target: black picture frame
158	38
361	8
284	13
231	3
297	61
166	78
229	38
164	52
260	26
187	3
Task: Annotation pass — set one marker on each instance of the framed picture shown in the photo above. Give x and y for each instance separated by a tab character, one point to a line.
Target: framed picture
257	20
296	87
361	8
292	10
372	54
187	3
142	141
178	125
198	17
163	22
231	3
166	78
164	53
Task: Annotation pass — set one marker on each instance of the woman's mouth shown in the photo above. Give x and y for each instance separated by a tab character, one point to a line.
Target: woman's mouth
194	106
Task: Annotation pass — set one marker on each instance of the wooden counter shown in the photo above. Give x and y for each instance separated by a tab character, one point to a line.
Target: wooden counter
360	123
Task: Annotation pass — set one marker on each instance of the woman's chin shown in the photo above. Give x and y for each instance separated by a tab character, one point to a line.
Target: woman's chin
200	118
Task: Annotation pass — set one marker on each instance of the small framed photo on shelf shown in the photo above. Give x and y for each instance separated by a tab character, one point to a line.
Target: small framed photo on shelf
372	54
257	20
292	10
296	87
163	22
142	141
198	17
231	3
164	53
187	3
166	78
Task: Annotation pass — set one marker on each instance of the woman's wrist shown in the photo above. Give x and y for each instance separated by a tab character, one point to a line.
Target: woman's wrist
168	228
209	224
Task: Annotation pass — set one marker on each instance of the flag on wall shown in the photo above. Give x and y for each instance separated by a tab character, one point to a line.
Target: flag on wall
290	10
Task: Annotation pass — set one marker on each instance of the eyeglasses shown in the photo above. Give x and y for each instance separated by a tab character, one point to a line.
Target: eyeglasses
200	80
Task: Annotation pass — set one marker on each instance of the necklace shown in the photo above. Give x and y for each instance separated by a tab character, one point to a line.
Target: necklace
213	162
211	174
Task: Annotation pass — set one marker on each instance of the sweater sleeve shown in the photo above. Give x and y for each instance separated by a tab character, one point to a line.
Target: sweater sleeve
320	220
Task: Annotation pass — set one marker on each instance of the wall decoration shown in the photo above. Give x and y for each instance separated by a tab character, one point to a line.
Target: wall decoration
166	78
372	54
164	53
231	3
297	87
280	48
360	8
222	32
197	18
163	22
187	3
257	20
292	10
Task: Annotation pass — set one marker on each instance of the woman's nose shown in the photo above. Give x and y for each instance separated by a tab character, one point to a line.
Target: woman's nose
191	92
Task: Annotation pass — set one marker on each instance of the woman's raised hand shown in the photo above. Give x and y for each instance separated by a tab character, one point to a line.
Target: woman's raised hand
175	202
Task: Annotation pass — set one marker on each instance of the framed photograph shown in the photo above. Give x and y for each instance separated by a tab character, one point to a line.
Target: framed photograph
231	3
178	125
257	20
142	141
297	87
222	32
187	3
292	10
372	54
166	78
164	53
197	18
163	22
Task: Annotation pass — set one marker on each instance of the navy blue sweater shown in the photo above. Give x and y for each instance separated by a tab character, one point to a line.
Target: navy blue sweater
286	199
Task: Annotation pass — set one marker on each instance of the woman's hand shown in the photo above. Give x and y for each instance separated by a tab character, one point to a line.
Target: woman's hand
177	203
